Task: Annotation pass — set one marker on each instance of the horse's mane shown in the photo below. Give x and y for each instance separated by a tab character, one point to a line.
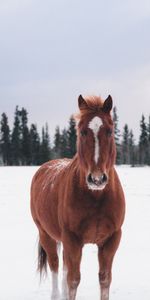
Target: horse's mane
94	105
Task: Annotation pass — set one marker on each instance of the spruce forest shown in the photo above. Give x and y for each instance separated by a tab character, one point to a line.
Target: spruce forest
24	145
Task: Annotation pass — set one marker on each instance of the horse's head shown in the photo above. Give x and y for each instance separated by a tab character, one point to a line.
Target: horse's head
96	145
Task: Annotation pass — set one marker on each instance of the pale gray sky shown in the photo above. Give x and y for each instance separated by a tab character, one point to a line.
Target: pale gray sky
52	51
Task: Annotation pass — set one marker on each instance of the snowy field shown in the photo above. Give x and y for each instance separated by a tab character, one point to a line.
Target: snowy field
18	242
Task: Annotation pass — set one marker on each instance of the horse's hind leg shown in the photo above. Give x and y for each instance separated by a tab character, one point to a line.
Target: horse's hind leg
50	247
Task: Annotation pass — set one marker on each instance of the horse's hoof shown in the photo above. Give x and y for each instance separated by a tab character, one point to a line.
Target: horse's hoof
55	296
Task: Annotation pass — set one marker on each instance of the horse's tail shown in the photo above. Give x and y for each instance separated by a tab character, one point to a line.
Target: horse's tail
42	261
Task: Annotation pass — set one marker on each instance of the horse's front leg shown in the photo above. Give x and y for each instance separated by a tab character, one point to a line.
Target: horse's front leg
106	255
72	258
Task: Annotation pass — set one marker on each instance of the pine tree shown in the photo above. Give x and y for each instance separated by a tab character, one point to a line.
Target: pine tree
148	133
57	143
16	139
34	145
125	145
117	136
132	157
5	140
148	128
143	142
64	144
45	145
25	138
72	138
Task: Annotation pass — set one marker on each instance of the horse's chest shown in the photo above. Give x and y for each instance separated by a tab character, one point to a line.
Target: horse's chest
96	230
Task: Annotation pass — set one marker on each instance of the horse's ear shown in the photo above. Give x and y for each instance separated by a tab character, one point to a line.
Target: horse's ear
82	103
108	103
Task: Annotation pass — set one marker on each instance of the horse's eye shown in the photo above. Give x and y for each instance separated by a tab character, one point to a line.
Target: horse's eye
109	132
83	132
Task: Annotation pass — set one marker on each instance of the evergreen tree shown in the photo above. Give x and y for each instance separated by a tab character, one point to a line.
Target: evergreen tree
72	137
57	143
125	145
16	139
143	142
148	132
64	144
5	140
45	145
132	157
117	136
25	138
148	128
34	145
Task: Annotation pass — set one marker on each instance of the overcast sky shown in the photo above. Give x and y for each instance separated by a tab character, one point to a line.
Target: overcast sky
52	51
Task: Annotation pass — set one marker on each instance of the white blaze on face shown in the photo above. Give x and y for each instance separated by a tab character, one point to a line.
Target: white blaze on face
95	125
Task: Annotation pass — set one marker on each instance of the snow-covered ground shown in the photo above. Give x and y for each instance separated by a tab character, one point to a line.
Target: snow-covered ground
18	242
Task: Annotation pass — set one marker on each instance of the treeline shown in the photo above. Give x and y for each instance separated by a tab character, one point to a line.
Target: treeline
129	152
23	145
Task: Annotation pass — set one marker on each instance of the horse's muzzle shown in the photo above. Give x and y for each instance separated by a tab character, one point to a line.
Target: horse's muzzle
97	182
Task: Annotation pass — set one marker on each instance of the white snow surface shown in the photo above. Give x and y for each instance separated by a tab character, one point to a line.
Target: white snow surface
19	237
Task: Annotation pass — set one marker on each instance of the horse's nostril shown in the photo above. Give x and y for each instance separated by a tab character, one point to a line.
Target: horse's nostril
104	178
89	178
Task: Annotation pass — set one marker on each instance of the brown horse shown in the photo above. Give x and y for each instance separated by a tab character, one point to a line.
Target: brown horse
80	200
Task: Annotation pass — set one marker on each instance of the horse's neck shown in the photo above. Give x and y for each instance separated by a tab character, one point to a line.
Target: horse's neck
75	165
78	171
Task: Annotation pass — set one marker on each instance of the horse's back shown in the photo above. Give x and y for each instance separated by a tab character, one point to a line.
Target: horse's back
44	195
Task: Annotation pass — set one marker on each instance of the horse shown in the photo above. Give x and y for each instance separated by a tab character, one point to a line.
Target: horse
80	200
